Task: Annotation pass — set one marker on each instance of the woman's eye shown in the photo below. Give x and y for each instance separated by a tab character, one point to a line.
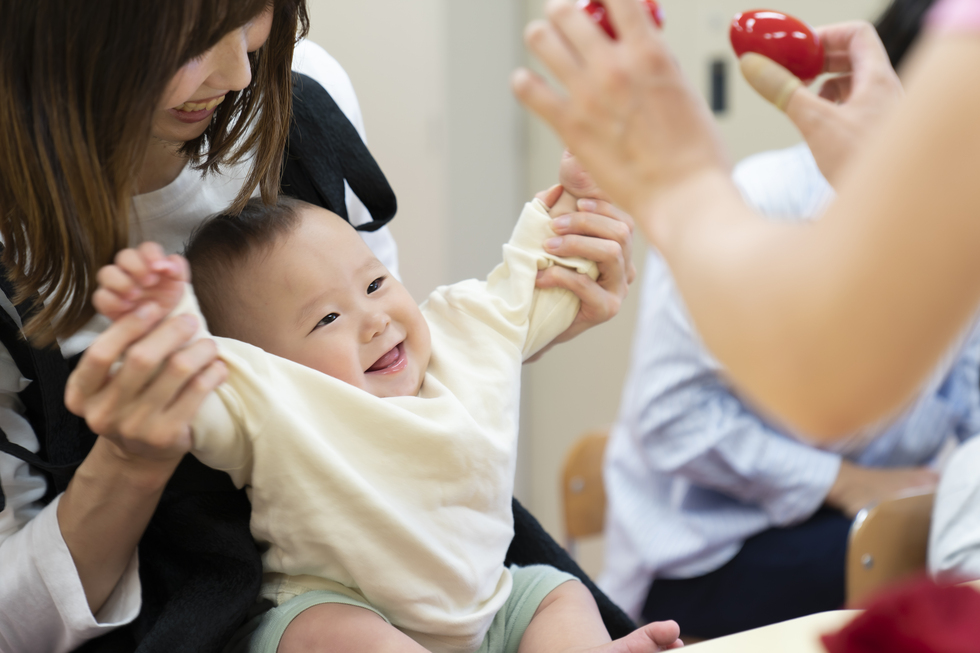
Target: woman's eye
375	285
327	320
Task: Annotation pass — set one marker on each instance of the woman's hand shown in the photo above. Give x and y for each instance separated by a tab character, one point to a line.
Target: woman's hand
144	406
629	115
849	106
599	232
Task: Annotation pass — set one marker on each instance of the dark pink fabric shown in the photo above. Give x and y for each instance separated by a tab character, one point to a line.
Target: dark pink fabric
916	617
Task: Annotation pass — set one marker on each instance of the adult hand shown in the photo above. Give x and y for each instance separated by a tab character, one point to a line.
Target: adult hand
848	107
599	232
629	116
144	407
858	487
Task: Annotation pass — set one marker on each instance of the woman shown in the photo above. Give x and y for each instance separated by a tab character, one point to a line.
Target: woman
123	121
847	316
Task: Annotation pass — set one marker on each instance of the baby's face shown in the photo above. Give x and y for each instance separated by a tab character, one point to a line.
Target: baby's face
320	298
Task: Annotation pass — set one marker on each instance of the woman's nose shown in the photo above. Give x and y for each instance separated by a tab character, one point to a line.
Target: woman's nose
230	64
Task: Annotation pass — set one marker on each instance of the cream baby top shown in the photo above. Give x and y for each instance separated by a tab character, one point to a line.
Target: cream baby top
403	501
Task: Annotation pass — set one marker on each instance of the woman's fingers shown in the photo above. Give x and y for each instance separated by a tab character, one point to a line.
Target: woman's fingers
192	396
178	370
117	280
850	46
590	236
143	360
598	304
111	304
545	41
132	262
630	19
93	370
837	89
535	93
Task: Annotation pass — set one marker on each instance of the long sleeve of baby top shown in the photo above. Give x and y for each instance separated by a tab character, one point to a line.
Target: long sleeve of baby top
404	501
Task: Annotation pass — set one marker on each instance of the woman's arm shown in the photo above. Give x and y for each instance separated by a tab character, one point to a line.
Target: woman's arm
141	411
827	325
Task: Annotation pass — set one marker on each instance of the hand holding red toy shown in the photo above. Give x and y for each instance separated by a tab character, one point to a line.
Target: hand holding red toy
597	12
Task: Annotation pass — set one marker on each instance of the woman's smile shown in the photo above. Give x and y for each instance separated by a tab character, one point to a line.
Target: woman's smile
196	111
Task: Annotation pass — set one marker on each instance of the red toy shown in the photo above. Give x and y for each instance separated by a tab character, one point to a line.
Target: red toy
786	40
597	12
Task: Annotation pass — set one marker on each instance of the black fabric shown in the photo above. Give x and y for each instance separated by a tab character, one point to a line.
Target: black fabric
323	150
779	574
533	546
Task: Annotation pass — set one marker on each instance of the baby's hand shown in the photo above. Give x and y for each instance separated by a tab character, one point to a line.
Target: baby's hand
140	276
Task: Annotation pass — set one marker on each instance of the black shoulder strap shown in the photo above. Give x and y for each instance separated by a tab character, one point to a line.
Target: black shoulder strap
323	150
43	401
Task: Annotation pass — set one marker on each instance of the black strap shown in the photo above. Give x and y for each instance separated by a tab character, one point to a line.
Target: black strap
323	150
43	401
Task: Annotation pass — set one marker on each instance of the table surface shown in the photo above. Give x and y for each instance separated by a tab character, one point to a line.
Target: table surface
797	635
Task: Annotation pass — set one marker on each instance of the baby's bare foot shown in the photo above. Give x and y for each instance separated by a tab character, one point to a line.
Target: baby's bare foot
653	637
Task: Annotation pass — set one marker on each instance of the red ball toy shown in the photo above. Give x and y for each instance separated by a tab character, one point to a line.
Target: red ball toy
597	12
786	40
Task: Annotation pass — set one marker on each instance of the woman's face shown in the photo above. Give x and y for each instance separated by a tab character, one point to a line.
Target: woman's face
202	83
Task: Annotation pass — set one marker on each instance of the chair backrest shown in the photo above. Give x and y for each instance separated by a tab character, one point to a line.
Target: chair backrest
583	494
887	542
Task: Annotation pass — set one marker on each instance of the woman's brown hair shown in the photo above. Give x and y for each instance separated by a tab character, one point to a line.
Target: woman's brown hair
79	83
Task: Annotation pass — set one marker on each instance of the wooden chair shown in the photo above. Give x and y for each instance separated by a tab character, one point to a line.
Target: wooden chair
888	542
583	495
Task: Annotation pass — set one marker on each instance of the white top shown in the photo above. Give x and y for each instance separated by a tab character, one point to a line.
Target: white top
344	484
954	540
42	604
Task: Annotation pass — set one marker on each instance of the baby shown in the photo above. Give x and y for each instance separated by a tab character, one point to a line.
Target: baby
377	438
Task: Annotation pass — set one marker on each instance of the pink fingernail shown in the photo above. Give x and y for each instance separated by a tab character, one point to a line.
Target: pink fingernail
552	243
562	222
189	320
146	311
589	206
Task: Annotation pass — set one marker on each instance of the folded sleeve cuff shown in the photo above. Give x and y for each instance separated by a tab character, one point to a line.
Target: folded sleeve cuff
57	569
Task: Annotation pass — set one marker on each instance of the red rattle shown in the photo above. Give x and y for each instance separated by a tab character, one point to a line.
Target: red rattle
786	40
597	12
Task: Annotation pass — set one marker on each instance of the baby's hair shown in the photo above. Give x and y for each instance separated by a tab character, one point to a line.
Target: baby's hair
221	245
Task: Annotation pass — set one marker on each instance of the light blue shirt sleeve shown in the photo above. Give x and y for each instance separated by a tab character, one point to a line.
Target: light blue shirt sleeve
691	423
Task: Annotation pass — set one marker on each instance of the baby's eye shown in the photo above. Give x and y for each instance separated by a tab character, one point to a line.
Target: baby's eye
375	285
327	320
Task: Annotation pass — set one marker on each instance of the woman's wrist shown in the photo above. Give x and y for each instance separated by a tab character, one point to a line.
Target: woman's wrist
110	465
669	216
104	512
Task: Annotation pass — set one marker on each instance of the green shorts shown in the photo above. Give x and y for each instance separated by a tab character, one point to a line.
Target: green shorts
531	585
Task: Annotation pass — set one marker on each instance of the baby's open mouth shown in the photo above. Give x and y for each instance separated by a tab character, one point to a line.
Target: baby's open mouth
393	361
